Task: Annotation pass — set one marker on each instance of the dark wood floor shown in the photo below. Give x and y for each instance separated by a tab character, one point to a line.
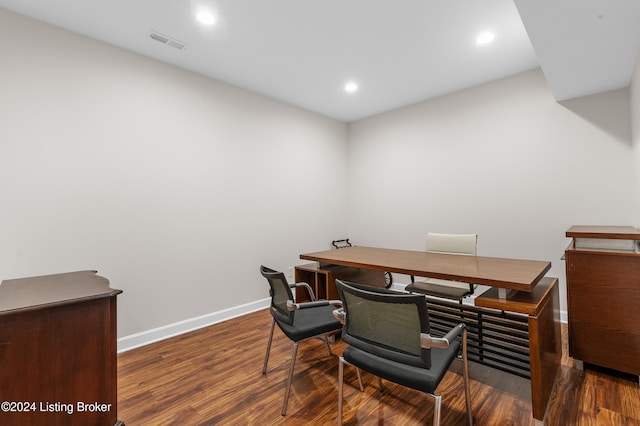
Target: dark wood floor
213	376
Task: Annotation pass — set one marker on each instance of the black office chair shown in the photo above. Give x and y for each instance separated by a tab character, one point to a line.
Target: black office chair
388	336
298	321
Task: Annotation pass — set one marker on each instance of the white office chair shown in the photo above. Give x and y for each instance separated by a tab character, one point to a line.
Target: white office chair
461	244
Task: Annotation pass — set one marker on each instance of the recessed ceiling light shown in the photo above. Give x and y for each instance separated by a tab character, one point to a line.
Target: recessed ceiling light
485	37
205	17
351	87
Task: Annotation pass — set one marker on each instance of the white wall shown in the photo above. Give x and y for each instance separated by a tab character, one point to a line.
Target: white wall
173	186
503	160
176	187
634	90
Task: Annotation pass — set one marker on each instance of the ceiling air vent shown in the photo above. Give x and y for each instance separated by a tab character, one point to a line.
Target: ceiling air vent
167	40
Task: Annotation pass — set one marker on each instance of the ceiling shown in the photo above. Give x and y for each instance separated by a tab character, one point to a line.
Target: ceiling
398	52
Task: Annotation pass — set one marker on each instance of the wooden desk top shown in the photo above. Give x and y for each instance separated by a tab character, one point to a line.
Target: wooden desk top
529	303
608	232
513	274
24	294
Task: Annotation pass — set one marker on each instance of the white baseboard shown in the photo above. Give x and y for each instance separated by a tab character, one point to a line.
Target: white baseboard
154	335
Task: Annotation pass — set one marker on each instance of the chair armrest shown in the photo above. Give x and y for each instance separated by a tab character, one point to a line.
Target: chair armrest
292	306
307	286
340	314
427	341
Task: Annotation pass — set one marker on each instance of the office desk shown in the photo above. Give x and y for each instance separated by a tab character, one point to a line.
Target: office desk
515	274
530	303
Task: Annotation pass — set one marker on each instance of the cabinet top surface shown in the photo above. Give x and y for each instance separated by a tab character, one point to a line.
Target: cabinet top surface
50	290
609	232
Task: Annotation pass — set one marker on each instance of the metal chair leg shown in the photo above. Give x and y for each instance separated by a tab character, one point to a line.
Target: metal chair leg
436	409
266	355
340	381
465	369
326	340
293	363
341	363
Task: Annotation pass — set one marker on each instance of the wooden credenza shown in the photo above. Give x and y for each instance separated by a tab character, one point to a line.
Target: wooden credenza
58	350
603	296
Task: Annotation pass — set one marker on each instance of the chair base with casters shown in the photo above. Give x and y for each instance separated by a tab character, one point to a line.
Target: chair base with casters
384	348
298	321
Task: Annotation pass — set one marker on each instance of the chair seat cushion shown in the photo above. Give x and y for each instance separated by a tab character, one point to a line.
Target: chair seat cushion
425	380
310	322
440	288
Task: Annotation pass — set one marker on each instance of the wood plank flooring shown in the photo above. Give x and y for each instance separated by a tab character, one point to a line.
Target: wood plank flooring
213	376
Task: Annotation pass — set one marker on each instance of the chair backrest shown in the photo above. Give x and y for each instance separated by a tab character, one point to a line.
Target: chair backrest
280	292
385	323
452	243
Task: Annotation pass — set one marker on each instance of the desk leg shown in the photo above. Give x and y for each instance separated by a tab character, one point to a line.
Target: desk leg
502	293
545	352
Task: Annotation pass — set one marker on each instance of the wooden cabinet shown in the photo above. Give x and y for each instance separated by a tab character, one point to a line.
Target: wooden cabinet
603	297
58	350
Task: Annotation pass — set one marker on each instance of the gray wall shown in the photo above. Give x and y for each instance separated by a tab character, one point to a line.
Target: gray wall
635	127
177	187
173	186
503	160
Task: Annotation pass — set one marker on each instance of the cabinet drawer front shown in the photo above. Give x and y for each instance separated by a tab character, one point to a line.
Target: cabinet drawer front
601	346
604	290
